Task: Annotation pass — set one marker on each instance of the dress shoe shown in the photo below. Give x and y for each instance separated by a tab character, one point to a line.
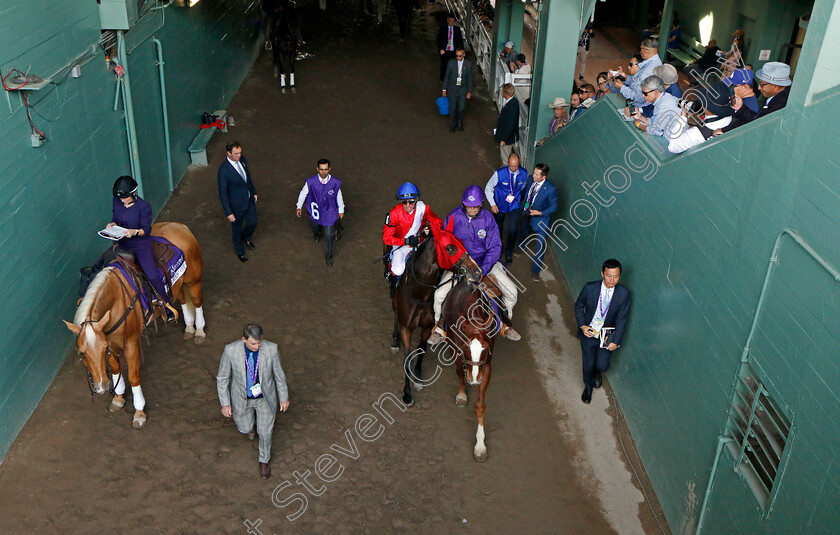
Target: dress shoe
535	277
586	397
330	261
508	259
461	127
243	258
510	333
316	237
250	244
452	129
597	382
265	471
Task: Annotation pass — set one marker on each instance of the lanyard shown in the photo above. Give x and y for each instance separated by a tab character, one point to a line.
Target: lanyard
602	312
253	374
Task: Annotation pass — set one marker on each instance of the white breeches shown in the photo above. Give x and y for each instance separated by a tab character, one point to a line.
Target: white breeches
508	288
398	255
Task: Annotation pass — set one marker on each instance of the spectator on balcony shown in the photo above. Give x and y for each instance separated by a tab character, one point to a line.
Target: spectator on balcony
582	100
508	54
696	70
632	87
574	100
733	58
449	39
668	74
774	83
603	85
674	34
560	119
741	83
699	127
666	112
520	65
583	49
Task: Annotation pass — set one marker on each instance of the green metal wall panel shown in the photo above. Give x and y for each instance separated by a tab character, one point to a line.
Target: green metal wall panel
54	198
695	239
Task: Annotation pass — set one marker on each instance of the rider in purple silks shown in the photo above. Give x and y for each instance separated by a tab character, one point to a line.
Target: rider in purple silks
134	214
478	231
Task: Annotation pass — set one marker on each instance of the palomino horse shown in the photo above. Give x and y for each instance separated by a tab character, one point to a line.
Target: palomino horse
285	36
109	322
412	304
472	327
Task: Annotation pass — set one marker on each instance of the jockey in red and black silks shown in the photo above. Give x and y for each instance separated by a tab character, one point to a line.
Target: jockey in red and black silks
403	224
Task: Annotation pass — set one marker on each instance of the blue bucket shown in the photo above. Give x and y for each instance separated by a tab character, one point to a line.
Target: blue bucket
443	105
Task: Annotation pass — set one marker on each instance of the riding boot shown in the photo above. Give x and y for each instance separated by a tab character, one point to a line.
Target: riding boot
510	333
438	334
393	280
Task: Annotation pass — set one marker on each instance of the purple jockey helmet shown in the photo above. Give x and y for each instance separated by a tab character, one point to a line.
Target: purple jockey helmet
473	196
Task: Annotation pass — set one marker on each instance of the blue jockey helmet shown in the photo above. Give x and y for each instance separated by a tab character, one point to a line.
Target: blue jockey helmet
407	191
473	196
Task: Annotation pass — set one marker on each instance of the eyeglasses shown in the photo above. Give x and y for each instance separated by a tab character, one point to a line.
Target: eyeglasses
633	64
459	55
762	83
409	201
646	93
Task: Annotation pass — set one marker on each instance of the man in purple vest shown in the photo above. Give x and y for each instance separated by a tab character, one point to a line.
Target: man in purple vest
477	230
322	195
503	192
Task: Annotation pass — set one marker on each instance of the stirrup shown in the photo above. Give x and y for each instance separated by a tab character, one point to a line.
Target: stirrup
438	334
510	333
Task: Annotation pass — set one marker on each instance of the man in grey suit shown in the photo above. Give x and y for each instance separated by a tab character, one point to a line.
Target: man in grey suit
457	87
251	386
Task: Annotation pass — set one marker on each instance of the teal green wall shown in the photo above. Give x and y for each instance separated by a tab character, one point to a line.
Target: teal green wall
695	239
54	198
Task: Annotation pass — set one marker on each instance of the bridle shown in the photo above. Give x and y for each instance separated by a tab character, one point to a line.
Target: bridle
113	328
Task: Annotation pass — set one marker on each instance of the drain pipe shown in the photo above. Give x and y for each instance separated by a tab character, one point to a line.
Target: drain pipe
721	441
159	48
774	259
128	105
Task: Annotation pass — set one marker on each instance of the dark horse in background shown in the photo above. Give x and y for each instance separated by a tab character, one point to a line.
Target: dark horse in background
472	326
412	304
284	35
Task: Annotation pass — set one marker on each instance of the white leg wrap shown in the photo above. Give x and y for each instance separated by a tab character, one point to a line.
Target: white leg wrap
189	317
199	318
119	384
480	448
139	400
282	80
292	79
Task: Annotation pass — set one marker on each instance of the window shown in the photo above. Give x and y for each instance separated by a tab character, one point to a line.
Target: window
761	432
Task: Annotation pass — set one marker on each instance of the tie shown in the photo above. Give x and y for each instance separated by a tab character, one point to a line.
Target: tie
532	193
449	43
241	171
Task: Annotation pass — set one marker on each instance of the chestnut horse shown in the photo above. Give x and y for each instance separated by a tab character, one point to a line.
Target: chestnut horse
412	304
472	327
109	321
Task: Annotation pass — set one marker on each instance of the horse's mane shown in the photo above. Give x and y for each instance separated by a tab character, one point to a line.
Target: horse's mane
83	312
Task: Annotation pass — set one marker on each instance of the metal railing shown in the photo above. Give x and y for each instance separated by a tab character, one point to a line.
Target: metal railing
477	37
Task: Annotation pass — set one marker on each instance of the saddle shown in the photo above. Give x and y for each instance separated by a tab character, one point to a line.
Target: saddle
163	254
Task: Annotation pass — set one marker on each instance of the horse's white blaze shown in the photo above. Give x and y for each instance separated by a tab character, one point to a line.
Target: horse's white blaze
480	448
119	384
475	355
139	400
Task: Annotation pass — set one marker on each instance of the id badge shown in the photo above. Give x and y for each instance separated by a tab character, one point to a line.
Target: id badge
256	390
509	198
596	326
458	81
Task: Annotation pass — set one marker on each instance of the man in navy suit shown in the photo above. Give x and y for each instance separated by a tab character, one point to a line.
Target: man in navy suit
507	125
601	305
239	198
539	201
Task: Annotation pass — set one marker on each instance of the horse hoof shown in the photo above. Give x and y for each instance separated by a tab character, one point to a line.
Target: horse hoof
188	335
294	90
283	90
461	400
139	420
408	401
200	336
417	386
480	455
117	403
395	350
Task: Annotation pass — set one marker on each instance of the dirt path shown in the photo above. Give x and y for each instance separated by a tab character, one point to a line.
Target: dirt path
365	101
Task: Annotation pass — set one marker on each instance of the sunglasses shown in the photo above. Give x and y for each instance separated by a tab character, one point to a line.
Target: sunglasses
633	64
411	201
646	93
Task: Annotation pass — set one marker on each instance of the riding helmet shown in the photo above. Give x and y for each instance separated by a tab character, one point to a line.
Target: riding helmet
473	196
407	191
124	187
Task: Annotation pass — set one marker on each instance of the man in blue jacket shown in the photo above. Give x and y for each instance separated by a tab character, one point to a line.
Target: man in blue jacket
601	312
239	198
502	192
538	202
477	230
